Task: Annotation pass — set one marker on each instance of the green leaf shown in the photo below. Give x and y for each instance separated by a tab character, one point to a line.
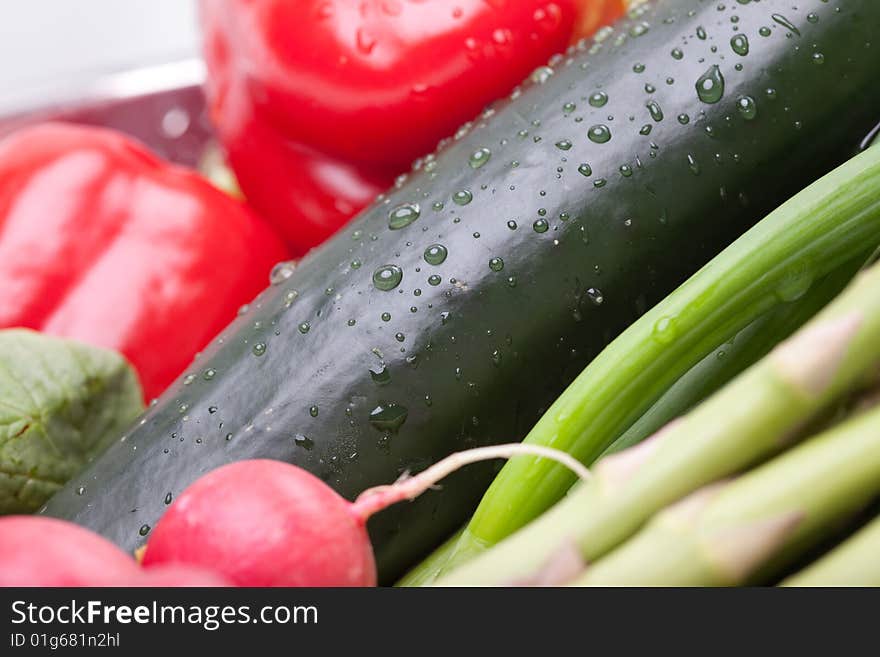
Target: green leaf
61	404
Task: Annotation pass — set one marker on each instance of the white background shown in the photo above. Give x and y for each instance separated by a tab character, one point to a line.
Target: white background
47	41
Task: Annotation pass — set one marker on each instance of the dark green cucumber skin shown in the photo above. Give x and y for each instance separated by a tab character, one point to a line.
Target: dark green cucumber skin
504	352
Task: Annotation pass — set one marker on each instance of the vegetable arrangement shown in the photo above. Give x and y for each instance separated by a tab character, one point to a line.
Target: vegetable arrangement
652	263
314	374
806	238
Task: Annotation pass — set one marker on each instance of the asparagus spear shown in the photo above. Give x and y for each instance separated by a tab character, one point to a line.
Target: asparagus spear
856	562
826	225
743	531
748	420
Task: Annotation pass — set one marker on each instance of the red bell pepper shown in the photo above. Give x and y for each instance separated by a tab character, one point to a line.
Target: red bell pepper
102	241
334	97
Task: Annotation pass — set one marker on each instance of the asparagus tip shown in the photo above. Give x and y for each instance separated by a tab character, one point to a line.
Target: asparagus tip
739	551
615	470
564	564
811	358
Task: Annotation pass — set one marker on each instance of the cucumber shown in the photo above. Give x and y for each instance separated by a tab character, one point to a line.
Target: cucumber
452	312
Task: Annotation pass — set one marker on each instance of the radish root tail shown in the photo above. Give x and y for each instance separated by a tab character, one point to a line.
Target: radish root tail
408	487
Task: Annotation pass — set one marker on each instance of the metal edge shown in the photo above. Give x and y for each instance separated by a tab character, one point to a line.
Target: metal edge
110	87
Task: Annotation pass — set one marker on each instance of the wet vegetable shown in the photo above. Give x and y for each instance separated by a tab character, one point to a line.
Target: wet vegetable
551	251
266	523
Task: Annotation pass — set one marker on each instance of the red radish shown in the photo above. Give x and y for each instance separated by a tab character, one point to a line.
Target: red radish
176	575
37	551
268	523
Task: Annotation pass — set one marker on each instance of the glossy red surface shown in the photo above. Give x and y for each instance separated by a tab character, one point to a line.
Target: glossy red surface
38	551
264	523
103	242
296	88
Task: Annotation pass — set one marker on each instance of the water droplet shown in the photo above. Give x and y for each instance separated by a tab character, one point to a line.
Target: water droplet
281	272
639	29
598	99
462	197
403	215
304	327
541	226
585	169
818	58
563	144
710	86
765	31
81	490
511	224
434	280
654	110
787	24
677	53
386	317
365	41
380	376
693	165
568	108
435	254
795	283
303	441
259	349
144	530
595	295
479	157
168	499
684	119
599	134
541	74
387	277
313	411
739	43
388	416
496	264
747	107
665	330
